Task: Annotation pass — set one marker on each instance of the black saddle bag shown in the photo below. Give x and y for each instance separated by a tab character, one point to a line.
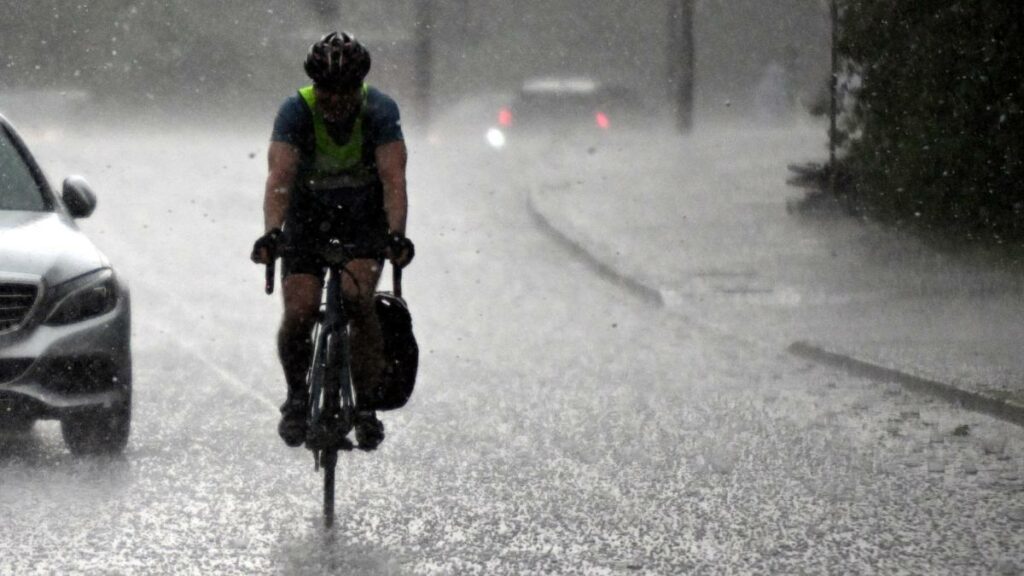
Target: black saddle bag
401	353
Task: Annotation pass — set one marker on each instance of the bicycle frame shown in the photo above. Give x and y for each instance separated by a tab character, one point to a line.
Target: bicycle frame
330	374
331	353
330	382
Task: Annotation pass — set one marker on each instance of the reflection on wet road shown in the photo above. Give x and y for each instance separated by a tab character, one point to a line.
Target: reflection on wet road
559	425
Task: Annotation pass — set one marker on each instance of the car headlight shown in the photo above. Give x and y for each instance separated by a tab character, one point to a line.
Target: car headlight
496	138
84	297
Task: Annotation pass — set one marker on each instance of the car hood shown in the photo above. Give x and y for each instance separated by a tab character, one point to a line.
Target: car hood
45	245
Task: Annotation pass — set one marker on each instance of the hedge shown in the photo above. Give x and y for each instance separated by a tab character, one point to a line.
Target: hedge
936	131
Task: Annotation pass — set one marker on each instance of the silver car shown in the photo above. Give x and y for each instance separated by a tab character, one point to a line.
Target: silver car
65	348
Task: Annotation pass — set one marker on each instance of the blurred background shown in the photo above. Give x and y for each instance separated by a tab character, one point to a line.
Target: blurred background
163	56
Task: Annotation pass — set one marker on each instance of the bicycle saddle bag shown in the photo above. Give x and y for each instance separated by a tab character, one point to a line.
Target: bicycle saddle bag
401	353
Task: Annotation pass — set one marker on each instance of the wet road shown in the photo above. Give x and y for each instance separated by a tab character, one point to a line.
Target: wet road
559	426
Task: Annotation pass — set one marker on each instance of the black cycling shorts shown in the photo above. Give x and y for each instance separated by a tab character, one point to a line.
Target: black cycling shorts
308	263
301	254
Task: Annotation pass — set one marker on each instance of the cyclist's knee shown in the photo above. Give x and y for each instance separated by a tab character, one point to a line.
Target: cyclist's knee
301	303
360	281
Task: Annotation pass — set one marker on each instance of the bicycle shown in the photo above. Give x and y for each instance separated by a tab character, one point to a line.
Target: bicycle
331	411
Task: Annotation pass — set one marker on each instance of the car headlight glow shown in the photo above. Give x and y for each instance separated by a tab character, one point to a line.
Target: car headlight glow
84	297
496	138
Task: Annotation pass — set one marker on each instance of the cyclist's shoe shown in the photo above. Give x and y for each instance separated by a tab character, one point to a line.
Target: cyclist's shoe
369	431
292	427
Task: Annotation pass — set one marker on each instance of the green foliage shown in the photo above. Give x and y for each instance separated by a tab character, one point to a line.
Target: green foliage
939	115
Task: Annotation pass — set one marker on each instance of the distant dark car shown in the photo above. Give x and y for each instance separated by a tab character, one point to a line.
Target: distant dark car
65	348
570	107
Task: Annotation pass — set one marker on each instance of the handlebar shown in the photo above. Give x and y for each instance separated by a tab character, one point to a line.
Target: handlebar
339	255
271	272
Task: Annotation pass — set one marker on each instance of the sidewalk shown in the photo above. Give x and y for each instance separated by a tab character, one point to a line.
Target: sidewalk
701	226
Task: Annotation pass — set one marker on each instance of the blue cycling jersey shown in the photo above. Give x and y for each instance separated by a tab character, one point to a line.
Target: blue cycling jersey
381	125
314	215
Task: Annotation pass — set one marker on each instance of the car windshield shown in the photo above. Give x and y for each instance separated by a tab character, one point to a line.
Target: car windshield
548	106
18	189
572	101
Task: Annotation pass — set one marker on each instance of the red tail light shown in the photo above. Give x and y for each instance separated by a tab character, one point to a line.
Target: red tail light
505	117
602	120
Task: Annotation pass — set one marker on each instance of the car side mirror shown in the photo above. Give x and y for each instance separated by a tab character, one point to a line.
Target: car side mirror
78	197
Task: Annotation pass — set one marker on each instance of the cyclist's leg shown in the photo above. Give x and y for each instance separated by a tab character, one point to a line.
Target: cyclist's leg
358	287
301	289
294	345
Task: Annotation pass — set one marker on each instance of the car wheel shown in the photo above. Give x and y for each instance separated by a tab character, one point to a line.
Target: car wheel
98	430
102	430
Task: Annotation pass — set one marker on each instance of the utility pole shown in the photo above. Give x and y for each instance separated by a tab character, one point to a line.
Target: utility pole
423	59
834	94
681	60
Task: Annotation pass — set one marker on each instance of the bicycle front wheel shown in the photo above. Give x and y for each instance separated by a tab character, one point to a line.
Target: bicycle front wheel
330	462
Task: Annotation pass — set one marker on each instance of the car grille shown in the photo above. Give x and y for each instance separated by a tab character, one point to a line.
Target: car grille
16	301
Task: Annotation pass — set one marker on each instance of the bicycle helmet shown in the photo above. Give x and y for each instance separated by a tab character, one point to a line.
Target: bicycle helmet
337	61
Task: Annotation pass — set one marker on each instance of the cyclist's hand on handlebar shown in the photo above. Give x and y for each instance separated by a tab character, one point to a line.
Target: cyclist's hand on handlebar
264	250
401	250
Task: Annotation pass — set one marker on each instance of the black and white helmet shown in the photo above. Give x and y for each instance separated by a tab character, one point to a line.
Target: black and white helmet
337	61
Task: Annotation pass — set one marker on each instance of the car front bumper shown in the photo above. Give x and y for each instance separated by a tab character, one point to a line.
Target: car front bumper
50	371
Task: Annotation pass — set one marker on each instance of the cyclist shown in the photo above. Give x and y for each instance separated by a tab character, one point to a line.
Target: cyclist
337	170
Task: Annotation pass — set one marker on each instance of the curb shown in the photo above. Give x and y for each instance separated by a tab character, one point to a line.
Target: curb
976	402
649	295
973	401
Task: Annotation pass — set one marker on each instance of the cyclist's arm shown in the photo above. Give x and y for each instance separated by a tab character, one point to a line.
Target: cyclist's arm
284	165
391	160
